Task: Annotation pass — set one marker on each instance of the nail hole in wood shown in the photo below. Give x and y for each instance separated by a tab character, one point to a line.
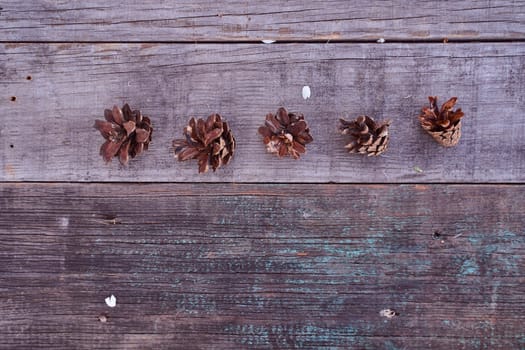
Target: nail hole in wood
29	77
12	146
13	98
436	235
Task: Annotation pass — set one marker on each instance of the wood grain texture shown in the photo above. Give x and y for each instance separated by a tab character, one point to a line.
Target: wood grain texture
239	20
47	133
262	266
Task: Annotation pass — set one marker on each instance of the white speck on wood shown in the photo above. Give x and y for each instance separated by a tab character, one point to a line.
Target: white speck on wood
306	92
111	301
63	222
268	41
388	313
494	297
381	40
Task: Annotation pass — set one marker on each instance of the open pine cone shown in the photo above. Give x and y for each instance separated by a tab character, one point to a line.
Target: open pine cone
285	133
444	124
367	136
210	141
127	133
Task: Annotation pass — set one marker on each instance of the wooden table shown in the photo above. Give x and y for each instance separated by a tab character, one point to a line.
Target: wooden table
264	253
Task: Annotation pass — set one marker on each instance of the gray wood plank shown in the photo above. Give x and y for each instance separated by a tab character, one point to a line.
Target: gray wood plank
202	20
47	133
207	266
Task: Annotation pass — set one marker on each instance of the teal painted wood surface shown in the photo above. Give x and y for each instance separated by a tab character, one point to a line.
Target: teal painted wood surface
262	266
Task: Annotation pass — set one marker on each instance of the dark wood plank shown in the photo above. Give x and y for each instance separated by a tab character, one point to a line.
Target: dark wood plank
262	266
202	20
47	133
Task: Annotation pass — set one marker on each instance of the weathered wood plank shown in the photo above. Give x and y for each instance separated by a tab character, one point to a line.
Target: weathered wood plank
47	133
202	20
262	266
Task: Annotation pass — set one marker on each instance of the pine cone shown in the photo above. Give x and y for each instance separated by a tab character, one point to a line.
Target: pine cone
443	125
286	133
210	141
367	136
127	133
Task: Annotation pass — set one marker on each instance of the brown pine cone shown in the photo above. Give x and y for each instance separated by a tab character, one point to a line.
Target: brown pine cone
127	133
210	141
444	124
286	133
367	136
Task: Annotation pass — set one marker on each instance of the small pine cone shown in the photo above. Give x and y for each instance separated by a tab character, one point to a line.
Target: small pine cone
286	133
367	136
127	133
443	125
210	141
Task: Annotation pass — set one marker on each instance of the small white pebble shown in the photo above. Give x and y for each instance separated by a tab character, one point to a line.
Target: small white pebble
381	40
111	301
306	92
388	313
268	41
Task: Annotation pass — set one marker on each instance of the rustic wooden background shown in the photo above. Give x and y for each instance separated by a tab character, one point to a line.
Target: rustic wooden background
265	253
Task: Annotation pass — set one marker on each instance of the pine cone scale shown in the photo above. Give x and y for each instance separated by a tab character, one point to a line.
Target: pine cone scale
283	117
106	128
138	148
273	124
299	148
109	149
142	135
129	126
118	117
203	163
265	132
298	128
188	153
108	115
212	135
124	152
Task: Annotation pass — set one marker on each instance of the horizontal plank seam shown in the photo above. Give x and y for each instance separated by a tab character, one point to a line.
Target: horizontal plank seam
288	41
262	183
